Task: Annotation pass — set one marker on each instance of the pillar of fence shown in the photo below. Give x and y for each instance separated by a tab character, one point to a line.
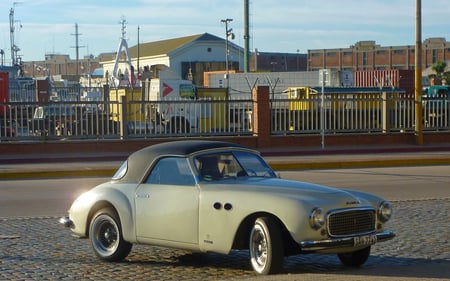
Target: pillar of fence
386	113
123	118
261	115
106	99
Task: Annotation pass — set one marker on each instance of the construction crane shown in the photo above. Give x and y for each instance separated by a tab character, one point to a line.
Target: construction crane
14	48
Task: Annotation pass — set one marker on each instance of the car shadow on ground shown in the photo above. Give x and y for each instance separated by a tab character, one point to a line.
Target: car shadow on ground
376	266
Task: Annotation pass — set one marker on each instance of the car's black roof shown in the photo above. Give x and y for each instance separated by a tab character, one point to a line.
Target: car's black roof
139	161
183	148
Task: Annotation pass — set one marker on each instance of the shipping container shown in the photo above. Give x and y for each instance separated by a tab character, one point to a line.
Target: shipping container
396	78
4	91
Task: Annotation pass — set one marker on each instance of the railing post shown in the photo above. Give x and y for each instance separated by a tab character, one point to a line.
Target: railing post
261	115
123	118
386	113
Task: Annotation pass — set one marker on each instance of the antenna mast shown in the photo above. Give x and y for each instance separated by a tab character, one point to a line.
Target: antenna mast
122	45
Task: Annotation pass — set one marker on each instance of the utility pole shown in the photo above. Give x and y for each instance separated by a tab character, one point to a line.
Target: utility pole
418	75
11	34
138	49
228	33
246	35
77	46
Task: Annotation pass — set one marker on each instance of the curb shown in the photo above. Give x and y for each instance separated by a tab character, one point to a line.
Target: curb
359	164
57	174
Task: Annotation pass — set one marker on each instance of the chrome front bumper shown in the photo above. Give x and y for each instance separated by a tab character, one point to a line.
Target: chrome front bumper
66	222
347	242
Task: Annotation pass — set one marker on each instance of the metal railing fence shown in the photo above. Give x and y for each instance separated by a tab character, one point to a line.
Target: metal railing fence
181	117
101	119
124	119
388	113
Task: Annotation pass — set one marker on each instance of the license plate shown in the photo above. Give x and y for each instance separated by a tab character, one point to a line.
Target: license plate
366	240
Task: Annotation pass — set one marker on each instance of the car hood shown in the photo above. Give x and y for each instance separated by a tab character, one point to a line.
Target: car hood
302	190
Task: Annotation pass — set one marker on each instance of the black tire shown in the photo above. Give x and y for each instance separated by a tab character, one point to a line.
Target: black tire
106	236
355	259
266	246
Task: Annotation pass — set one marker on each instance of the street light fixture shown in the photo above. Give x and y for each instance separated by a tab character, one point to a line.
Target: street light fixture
228	33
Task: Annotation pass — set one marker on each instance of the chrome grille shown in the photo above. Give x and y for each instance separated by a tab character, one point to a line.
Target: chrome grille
349	222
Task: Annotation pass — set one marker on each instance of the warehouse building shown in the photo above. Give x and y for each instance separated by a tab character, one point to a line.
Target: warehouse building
188	56
367	55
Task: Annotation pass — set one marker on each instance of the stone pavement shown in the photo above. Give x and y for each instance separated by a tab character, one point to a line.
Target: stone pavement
41	249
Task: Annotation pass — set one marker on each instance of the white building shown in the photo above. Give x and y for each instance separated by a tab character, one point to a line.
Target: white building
188	56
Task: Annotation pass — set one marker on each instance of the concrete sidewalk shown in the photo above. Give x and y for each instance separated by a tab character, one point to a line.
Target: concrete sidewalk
293	158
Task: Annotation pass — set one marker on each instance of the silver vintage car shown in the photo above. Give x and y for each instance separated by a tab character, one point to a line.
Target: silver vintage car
213	196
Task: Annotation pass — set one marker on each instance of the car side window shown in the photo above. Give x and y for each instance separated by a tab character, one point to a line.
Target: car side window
218	166
171	171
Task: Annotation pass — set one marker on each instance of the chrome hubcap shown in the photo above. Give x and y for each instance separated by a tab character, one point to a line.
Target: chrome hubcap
259	247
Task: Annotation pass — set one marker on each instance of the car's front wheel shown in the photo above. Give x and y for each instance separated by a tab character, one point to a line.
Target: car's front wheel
266	246
106	236
355	259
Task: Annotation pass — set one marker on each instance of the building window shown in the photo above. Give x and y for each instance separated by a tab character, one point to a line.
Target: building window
209	50
347	53
331	54
381	52
398	52
434	55
315	54
364	58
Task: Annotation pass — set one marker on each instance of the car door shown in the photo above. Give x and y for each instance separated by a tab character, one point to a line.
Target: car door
167	203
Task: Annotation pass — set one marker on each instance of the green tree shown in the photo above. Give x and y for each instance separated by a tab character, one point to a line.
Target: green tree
439	68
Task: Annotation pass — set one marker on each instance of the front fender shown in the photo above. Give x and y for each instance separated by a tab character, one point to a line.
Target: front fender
221	219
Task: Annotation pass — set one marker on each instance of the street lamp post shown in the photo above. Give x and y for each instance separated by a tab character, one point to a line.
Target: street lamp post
228	33
418	75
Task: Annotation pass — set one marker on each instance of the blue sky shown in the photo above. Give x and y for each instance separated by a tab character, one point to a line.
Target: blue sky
46	26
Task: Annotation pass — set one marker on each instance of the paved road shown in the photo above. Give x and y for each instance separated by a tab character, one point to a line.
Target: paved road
101	164
39	249
47	197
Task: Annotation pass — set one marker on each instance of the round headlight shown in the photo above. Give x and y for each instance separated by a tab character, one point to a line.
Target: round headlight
384	211
316	218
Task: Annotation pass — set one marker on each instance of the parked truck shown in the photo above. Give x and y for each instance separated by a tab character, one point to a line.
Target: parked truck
436	106
165	103
172	105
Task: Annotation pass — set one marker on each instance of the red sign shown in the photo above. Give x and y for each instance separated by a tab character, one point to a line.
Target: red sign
166	89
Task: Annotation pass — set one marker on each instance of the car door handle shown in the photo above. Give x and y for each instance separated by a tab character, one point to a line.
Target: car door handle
142	195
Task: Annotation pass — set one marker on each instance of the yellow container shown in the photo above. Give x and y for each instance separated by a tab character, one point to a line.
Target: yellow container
215	113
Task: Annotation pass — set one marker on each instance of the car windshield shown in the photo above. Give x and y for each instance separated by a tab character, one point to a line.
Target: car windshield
121	171
217	166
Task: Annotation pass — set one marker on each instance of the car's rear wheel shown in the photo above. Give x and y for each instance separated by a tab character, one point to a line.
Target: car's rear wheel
355	259
106	236
266	246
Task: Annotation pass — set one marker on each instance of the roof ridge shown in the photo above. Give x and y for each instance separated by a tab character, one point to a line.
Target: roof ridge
168	45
